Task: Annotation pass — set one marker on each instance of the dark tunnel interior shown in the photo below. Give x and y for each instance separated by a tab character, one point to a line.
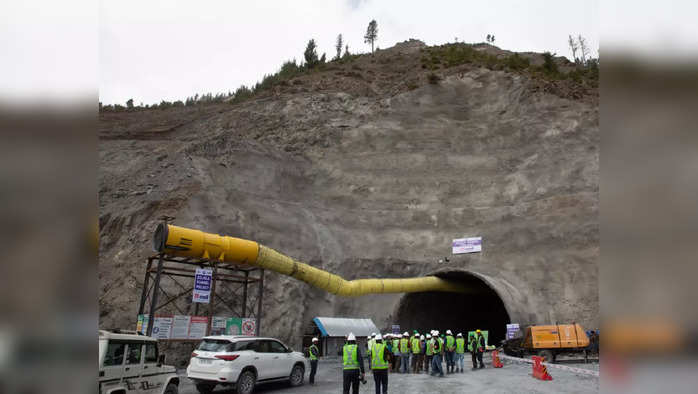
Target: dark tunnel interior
482	308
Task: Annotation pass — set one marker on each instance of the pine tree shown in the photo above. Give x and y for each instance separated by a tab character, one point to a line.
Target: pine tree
371	33
339	47
310	54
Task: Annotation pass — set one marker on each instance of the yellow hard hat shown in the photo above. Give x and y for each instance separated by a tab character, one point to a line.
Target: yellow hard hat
478	331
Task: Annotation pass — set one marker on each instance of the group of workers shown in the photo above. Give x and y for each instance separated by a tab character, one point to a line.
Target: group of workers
403	353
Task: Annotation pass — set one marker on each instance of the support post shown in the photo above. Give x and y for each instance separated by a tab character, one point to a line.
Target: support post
259	302
154	297
212	299
244	295
146	282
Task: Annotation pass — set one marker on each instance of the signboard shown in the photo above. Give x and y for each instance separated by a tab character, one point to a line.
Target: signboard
162	327
248	327
233	326
202	285
219	325
180	327
512	330
467	245
396	329
197	327
142	324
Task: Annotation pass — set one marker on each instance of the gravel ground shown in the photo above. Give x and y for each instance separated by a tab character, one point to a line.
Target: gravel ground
513	378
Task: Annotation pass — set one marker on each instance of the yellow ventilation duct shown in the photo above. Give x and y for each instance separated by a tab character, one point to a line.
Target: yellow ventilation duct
184	242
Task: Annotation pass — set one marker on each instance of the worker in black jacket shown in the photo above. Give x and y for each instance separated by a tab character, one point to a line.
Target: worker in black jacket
478	348
313	352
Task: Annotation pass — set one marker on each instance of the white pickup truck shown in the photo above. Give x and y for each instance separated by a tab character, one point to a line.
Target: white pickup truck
130	364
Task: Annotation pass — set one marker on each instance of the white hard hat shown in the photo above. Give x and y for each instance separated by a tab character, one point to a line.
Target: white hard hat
436	332
373	334
314	339
379	337
422	337
351	337
405	333
432	332
448	332
428	335
399	335
416	334
459	335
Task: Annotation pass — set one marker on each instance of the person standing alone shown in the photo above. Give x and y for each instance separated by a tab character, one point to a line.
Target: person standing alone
313	352
379	364
352	362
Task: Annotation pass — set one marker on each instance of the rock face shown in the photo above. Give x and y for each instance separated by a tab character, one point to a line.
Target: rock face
369	181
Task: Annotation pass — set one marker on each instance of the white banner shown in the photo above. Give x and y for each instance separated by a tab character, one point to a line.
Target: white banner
467	245
202	285
162	327
180	327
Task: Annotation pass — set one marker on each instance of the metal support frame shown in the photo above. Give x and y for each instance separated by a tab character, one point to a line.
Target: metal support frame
227	281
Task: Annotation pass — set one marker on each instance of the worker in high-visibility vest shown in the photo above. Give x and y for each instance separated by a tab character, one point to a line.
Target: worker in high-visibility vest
313	353
415	350
460	352
353	365
379	363
449	351
369	346
405	353
428	353
436	366
396	352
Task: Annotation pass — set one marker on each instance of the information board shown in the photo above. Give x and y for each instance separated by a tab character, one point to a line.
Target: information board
219	325
162	327
180	327
197	327
202	285
467	245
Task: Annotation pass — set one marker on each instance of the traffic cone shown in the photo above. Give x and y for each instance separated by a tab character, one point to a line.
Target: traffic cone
539	370
495	360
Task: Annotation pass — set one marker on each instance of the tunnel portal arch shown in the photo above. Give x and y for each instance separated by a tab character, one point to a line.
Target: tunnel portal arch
488	305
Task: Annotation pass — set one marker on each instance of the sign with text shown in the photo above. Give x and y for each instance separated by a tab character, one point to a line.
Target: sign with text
180	327
233	326
467	245
512	330
197	327
219	325
142	324
162	327
396	329
202	285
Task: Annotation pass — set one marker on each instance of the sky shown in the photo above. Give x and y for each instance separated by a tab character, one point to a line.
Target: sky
169	50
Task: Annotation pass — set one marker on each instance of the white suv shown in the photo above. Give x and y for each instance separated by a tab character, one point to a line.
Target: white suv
130	363
244	361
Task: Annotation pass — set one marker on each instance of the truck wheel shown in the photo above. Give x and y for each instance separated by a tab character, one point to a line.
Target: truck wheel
171	389
205	388
548	356
297	375
245	383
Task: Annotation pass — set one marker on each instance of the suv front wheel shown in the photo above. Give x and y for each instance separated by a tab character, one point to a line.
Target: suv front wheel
246	382
297	375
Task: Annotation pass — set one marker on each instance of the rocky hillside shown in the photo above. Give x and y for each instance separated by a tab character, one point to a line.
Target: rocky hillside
368	168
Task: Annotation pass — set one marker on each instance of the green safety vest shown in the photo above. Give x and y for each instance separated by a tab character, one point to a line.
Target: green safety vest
369	345
396	343
313	351
460	345
415	345
430	347
349	358
377	361
441	345
449	341
403	345
437	346
472	345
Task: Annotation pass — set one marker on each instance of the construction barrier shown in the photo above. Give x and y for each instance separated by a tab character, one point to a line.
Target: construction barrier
495	360
539	370
558	366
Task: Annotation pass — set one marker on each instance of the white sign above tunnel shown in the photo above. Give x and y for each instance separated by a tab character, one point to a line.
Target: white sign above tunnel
467	245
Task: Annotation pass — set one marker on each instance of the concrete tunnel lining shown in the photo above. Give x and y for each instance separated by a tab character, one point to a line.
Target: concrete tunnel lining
490	306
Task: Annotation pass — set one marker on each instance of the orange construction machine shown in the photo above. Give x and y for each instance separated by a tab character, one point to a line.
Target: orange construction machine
547	341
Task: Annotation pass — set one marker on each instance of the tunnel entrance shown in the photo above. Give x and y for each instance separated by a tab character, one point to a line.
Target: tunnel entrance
480	308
